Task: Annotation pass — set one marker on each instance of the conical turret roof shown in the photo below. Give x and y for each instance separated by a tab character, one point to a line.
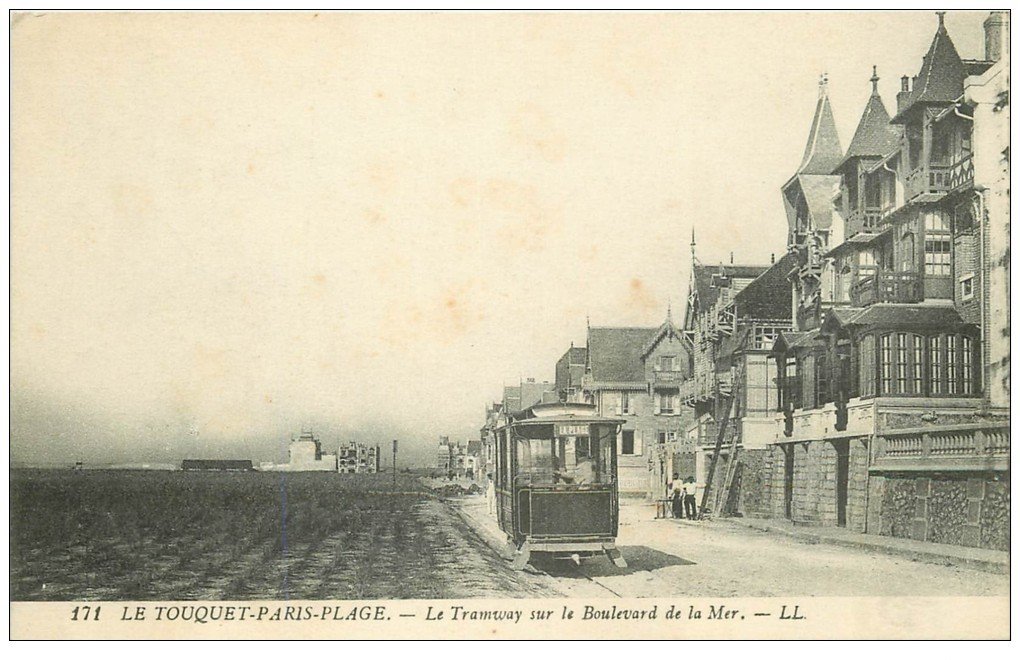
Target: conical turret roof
942	73
823	152
875	135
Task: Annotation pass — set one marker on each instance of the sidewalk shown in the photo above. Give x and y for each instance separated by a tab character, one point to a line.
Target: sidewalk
475	512
982	559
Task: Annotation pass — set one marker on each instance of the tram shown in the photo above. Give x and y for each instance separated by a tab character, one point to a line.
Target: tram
556	482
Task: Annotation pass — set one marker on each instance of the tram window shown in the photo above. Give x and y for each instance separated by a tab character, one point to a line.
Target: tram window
605	447
560	460
504	465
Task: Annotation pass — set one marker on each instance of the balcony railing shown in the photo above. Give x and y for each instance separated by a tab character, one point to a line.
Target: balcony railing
704	385
963	446
864	220
939	179
888	287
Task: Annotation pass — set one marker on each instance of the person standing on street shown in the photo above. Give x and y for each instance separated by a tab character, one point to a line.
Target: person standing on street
690	495
676	488
490	494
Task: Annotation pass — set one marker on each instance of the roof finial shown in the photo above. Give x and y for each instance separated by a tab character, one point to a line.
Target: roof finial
874	80
669	311
942	18
823	84
693	243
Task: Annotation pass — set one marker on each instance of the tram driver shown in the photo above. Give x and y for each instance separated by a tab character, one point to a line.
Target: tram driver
583	469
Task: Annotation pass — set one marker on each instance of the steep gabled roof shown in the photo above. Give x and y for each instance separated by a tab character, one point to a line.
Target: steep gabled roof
875	136
941	77
614	354
769	296
823	152
706	279
575	355
667	329
839	317
791	340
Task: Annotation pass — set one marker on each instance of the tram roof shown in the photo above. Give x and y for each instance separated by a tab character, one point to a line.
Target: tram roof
561	413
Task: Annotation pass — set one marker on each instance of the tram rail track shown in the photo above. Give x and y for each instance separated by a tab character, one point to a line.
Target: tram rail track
576	570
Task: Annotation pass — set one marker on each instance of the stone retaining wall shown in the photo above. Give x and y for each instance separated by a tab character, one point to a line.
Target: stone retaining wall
965	509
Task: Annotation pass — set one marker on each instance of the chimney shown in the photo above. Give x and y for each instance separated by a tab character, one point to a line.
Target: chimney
731	258
530	380
772	259
903	96
996	35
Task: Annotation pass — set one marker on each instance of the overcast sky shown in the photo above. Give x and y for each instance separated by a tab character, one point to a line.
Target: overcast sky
227	227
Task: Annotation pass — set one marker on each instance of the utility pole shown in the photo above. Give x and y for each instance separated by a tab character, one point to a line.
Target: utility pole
394	466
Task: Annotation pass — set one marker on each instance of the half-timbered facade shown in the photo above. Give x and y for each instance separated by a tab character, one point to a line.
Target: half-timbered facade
734	314
888	423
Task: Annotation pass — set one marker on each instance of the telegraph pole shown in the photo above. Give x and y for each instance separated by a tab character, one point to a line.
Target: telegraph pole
394	466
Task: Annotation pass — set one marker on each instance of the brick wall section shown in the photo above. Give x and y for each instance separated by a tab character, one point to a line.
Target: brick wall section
752	483
876	495
806	480
814	484
966	255
857	488
970	510
825	488
777	484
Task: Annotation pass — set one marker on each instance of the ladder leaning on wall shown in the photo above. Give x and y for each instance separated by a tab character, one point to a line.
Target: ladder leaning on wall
731	413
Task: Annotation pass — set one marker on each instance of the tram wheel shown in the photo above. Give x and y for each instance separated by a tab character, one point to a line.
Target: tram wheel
521	557
615	556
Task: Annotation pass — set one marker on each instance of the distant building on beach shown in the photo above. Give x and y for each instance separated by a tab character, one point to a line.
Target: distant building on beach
458	458
356	458
305	455
189	464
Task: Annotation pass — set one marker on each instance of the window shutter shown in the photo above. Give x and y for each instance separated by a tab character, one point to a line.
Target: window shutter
638	444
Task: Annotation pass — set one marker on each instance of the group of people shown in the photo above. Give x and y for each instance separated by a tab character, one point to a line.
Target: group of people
684	496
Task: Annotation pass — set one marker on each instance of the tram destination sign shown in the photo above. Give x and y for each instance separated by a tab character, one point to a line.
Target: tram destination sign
571	429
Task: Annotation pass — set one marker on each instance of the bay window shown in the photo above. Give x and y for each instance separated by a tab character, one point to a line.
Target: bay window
915	365
886	364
